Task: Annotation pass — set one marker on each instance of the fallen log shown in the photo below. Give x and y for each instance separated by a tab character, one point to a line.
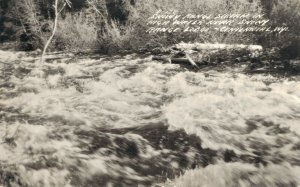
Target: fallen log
161	58
172	60
182	61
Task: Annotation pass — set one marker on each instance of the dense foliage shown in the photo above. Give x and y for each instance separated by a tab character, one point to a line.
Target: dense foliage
113	25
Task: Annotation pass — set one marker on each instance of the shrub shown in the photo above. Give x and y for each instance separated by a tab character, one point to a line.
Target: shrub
74	33
286	13
114	25
144	9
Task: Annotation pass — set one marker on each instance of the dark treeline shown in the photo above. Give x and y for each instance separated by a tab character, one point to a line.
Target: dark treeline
113	25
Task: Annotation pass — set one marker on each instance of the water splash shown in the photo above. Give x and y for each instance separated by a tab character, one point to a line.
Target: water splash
129	121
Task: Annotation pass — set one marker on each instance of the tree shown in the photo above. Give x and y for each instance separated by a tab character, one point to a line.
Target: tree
57	12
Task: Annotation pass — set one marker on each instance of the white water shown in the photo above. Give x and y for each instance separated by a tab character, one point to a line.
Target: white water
45	117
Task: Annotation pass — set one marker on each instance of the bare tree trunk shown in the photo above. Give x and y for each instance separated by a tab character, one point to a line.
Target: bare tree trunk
53	32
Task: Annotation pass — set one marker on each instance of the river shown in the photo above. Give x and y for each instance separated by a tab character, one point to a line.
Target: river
130	121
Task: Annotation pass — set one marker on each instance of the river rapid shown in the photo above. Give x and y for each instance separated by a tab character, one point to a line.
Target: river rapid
130	121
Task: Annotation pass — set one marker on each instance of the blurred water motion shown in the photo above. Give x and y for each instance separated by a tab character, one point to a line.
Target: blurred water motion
129	121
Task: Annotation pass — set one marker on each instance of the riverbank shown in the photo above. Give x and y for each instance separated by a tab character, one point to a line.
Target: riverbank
248	59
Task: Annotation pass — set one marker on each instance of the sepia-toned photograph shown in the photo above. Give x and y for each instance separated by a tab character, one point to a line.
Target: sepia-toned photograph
149	93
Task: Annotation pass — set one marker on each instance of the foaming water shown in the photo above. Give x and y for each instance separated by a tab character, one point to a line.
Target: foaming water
129	121
237	174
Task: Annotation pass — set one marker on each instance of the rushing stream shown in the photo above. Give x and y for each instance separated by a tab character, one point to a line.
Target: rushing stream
131	121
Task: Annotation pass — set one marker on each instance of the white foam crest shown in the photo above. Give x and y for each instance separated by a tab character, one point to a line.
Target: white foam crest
239	175
217	108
